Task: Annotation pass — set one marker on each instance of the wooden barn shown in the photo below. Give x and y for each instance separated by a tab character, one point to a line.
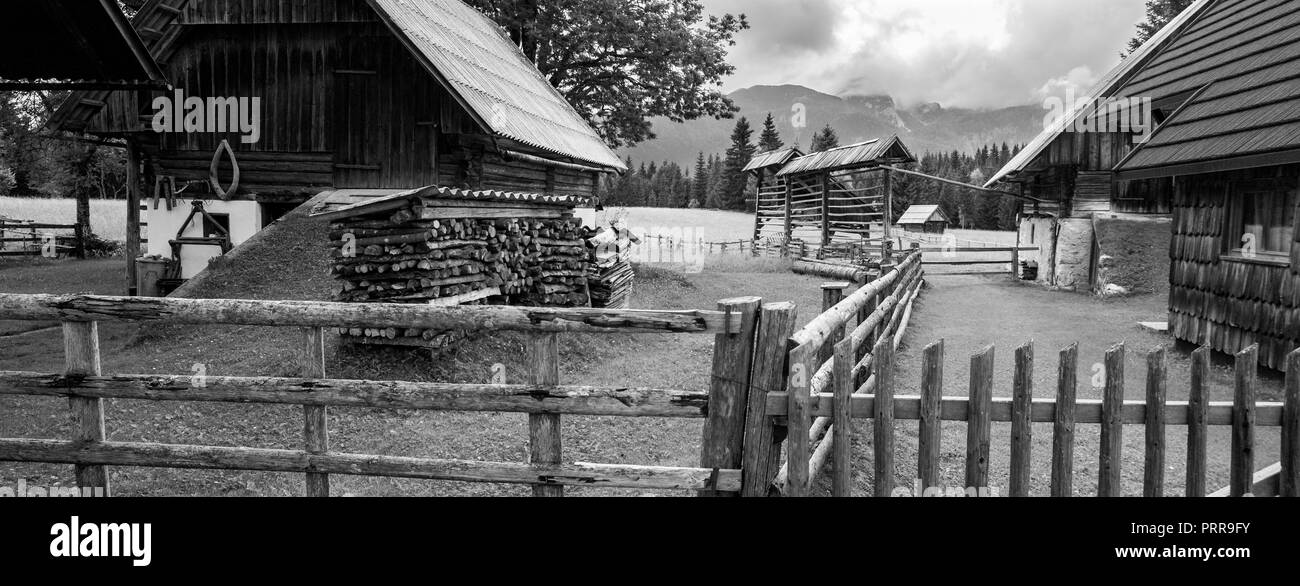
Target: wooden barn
924	219
1221	168
1232	153
367	97
832	203
1070	167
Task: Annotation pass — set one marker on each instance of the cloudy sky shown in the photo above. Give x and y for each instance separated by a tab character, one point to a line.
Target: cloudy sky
967	53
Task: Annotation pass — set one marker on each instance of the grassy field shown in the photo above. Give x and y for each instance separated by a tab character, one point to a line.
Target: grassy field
107	217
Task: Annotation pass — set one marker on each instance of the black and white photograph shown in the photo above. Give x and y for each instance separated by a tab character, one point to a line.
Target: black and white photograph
1036	259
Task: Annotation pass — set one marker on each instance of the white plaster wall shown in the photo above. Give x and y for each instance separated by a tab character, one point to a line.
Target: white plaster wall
245	221
1037	231
1074	254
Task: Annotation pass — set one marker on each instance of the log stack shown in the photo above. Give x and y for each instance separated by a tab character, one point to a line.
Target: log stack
443	250
610	273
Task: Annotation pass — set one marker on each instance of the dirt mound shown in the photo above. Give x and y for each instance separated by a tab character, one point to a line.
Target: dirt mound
286	261
1133	253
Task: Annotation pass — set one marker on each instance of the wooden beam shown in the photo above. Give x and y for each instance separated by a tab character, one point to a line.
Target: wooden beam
224	458
320	314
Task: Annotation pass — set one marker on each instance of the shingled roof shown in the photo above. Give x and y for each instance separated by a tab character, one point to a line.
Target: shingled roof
1109	86
1242	60
473	57
876	151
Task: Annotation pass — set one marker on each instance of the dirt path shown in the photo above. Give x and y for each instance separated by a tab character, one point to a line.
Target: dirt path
969	313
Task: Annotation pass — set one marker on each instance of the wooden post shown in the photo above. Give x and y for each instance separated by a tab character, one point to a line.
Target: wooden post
1153	480
544	444
81	355
797	454
132	217
1243	423
1290	484
1021	422
978	427
1109	480
826	215
315	427
883	365
789	215
842	485
931	426
1198	413
888	216
770	373
733	357
1067	384
867	309
832	295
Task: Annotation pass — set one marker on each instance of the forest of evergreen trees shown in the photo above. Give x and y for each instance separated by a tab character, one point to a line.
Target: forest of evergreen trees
718	182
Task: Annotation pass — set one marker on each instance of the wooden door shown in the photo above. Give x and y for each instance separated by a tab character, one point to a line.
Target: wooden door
358	120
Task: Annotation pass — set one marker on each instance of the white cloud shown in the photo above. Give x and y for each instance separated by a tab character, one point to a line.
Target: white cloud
972	53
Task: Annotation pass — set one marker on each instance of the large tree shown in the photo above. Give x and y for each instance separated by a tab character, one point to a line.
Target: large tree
700	188
1159	14
770	139
738	156
622	62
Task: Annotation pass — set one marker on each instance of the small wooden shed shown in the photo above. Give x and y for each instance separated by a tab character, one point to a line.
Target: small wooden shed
924	219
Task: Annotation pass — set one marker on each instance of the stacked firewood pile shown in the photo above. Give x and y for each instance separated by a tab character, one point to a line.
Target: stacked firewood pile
402	257
610	272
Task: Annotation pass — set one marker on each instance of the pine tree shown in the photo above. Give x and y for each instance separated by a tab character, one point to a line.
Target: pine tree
734	177
1159	14
824	140
700	188
770	140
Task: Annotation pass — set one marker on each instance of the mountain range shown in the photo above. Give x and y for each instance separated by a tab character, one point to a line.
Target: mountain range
923	128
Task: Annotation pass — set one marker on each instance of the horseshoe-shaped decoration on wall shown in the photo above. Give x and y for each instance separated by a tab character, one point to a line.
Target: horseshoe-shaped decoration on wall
212	171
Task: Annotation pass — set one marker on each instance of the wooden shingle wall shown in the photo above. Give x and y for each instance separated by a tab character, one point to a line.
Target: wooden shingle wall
1228	304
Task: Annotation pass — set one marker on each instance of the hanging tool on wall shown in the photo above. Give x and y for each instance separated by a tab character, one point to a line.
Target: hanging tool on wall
213	169
223	240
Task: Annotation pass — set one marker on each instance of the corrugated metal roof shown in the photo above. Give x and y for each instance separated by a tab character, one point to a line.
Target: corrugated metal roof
494	78
922	214
865	154
72	43
772	158
1106	88
1248	52
357	202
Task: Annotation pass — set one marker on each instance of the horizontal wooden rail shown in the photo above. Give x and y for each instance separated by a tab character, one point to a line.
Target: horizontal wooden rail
979	249
908	408
225	458
87	308
568	400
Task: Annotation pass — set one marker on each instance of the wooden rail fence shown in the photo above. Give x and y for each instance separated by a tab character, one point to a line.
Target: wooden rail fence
980	410
723	406
30	238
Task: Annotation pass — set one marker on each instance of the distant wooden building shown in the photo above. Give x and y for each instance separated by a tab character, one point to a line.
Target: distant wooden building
370	96
924	219
833	202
